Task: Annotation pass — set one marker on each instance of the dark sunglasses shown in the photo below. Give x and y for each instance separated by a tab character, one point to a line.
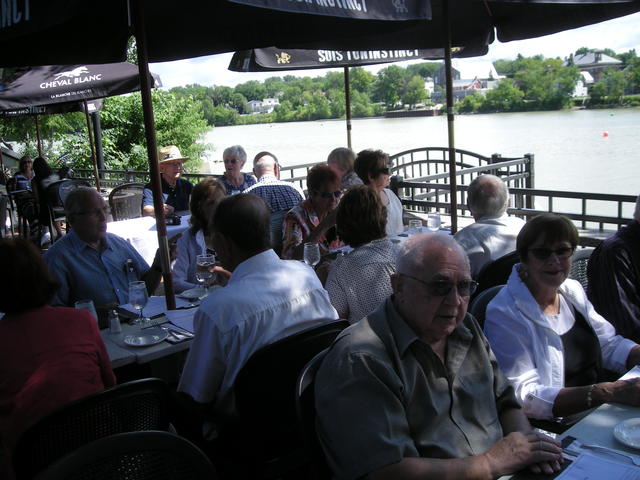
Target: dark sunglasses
385	170
231	160
542	253
441	288
336	194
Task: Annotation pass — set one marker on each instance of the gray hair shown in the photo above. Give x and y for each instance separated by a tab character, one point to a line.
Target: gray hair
77	198
344	157
236	150
487	195
636	214
419	250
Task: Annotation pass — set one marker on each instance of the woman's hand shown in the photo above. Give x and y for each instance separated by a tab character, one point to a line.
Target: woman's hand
622	391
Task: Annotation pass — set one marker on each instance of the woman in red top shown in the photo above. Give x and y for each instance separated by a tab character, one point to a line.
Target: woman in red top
49	356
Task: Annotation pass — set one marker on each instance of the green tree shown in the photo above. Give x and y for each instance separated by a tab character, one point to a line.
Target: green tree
470	103
252	90
424	70
414	92
361	80
614	81
597	93
506	97
388	86
178	121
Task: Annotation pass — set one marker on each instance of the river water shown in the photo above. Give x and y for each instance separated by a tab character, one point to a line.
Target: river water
579	150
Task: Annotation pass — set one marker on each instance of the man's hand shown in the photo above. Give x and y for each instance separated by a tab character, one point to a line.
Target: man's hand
621	391
517	451
168	209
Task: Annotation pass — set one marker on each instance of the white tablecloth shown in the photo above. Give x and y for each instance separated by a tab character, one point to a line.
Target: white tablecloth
141	233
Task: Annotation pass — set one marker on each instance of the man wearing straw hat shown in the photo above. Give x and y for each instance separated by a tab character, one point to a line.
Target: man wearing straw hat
175	190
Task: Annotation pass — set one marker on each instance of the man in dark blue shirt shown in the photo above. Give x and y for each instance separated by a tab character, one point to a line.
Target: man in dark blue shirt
175	190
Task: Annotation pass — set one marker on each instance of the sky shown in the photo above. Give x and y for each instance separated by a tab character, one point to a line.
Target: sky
620	35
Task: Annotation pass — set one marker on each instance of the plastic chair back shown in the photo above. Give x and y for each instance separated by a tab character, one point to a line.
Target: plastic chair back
496	272
306	411
579	264
151	455
265	390
478	306
133	406
125	201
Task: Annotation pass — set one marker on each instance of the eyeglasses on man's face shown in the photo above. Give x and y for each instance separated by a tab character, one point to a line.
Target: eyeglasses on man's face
442	288
542	253
328	195
94	212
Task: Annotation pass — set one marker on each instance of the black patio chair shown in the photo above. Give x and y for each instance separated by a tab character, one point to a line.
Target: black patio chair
133	406
56	194
151	455
125	201
306	411
496	272
265	399
478	306
579	264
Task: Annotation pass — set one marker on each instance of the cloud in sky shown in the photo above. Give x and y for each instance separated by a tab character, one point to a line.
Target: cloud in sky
620	35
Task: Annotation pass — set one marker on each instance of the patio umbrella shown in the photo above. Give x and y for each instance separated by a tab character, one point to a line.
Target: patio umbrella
37	32
66	88
277	59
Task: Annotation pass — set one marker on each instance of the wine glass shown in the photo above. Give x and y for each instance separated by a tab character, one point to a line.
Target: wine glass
204	267
311	254
433	223
138	298
415	226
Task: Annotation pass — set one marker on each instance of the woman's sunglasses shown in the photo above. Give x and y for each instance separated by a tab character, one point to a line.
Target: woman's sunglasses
336	194
542	253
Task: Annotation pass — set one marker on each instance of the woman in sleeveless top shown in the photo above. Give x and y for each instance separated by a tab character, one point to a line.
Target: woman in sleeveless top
546	335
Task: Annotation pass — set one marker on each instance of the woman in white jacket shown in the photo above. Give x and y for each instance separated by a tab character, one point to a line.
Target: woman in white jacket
546	335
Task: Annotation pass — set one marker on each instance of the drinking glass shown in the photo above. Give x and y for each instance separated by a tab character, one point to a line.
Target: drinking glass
415	226
311	254
204	267
138	298
434	222
87	305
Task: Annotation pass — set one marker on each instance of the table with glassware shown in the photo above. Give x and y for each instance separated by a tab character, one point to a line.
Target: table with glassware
142	233
162	333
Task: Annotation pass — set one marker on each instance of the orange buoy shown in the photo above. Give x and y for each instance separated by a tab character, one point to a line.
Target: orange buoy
605	134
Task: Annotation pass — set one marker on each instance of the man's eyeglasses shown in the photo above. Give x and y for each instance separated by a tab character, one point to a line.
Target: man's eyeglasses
384	170
336	194
96	212
542	253
441	288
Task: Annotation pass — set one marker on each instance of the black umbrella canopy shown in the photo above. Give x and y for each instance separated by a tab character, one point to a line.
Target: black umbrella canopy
91	106
64	84
40	32
274	59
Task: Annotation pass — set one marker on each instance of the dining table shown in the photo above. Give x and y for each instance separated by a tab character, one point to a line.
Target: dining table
142	233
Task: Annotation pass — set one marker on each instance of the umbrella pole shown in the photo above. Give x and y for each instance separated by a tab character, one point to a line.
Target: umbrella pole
150	132
91	145
347	101
38	139
453	194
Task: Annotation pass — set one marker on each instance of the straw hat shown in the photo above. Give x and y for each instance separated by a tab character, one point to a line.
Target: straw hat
170	154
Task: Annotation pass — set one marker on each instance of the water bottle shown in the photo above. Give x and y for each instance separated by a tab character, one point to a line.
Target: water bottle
114	322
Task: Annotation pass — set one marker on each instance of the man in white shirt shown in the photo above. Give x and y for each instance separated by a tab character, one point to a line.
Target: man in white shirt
266	299
494	233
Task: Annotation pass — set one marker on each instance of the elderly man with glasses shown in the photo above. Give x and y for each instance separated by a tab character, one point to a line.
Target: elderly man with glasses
413	389
89	263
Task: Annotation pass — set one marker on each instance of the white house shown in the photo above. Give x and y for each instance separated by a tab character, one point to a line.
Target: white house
266	105
469	77
582	85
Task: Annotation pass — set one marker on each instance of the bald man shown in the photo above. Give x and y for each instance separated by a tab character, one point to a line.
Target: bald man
265	300
413	389
279	196
494	233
